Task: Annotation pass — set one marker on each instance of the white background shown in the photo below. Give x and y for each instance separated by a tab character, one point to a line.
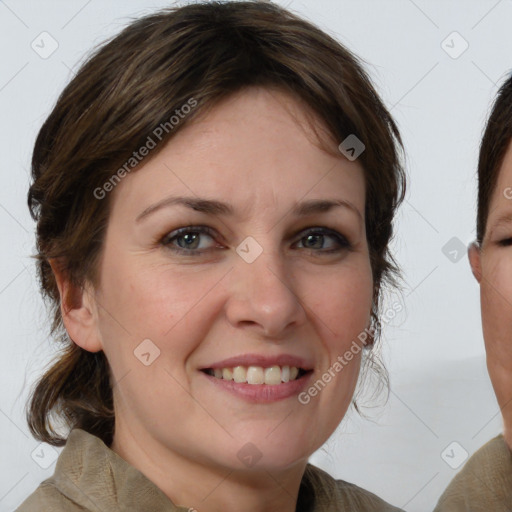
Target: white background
433	348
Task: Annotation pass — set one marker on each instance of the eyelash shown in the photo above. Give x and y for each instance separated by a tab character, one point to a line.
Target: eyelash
505	242
178	233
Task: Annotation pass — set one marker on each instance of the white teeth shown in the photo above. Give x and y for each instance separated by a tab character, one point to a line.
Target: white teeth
239	374
255	375
271	376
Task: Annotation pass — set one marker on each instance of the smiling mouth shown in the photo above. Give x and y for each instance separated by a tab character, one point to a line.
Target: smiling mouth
272	376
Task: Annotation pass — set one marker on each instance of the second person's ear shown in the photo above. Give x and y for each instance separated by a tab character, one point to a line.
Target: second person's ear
475	260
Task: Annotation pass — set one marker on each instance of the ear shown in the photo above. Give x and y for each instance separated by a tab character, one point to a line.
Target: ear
78	310
474	255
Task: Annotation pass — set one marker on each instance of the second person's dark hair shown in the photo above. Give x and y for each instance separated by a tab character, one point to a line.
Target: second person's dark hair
497	136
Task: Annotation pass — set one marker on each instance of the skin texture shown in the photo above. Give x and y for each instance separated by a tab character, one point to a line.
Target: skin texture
492	267
255	151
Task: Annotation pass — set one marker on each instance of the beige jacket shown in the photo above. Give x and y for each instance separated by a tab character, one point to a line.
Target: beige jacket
89	477
484	484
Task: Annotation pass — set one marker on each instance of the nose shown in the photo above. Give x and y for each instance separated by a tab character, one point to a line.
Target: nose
263	297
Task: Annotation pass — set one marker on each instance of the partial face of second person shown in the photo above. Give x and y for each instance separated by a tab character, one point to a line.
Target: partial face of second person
492	267
301	302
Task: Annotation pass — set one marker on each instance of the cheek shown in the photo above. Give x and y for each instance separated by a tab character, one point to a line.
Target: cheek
169	307
154	299
496	301
343	299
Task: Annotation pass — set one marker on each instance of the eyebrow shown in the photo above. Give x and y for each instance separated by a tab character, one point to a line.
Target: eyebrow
218	208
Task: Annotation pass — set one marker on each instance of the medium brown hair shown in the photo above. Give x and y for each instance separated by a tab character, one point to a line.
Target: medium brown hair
136	82
495	141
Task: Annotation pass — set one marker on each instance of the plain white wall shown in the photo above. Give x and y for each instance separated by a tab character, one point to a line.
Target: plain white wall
433	348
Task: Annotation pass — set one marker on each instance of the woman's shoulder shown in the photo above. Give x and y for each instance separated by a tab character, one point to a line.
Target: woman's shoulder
48	498
90	477
484	483
320	492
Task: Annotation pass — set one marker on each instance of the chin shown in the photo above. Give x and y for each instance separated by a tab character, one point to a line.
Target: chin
275	451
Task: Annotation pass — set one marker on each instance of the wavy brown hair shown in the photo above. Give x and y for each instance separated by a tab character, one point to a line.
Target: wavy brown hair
135	82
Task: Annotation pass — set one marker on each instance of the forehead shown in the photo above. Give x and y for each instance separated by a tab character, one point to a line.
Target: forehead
256	149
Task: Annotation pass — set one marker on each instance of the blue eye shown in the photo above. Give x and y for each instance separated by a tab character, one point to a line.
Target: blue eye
188	237
314	235
187	240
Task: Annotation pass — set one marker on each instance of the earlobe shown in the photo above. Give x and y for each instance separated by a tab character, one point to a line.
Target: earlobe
474	255
78	310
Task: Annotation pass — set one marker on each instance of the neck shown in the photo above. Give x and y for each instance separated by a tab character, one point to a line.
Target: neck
208	487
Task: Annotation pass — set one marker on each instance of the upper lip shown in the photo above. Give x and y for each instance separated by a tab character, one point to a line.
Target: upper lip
262	360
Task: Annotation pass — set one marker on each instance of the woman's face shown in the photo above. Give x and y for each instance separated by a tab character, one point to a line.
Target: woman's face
275	282
492	267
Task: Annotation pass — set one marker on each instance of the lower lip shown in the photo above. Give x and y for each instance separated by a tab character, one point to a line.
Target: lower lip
261	393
